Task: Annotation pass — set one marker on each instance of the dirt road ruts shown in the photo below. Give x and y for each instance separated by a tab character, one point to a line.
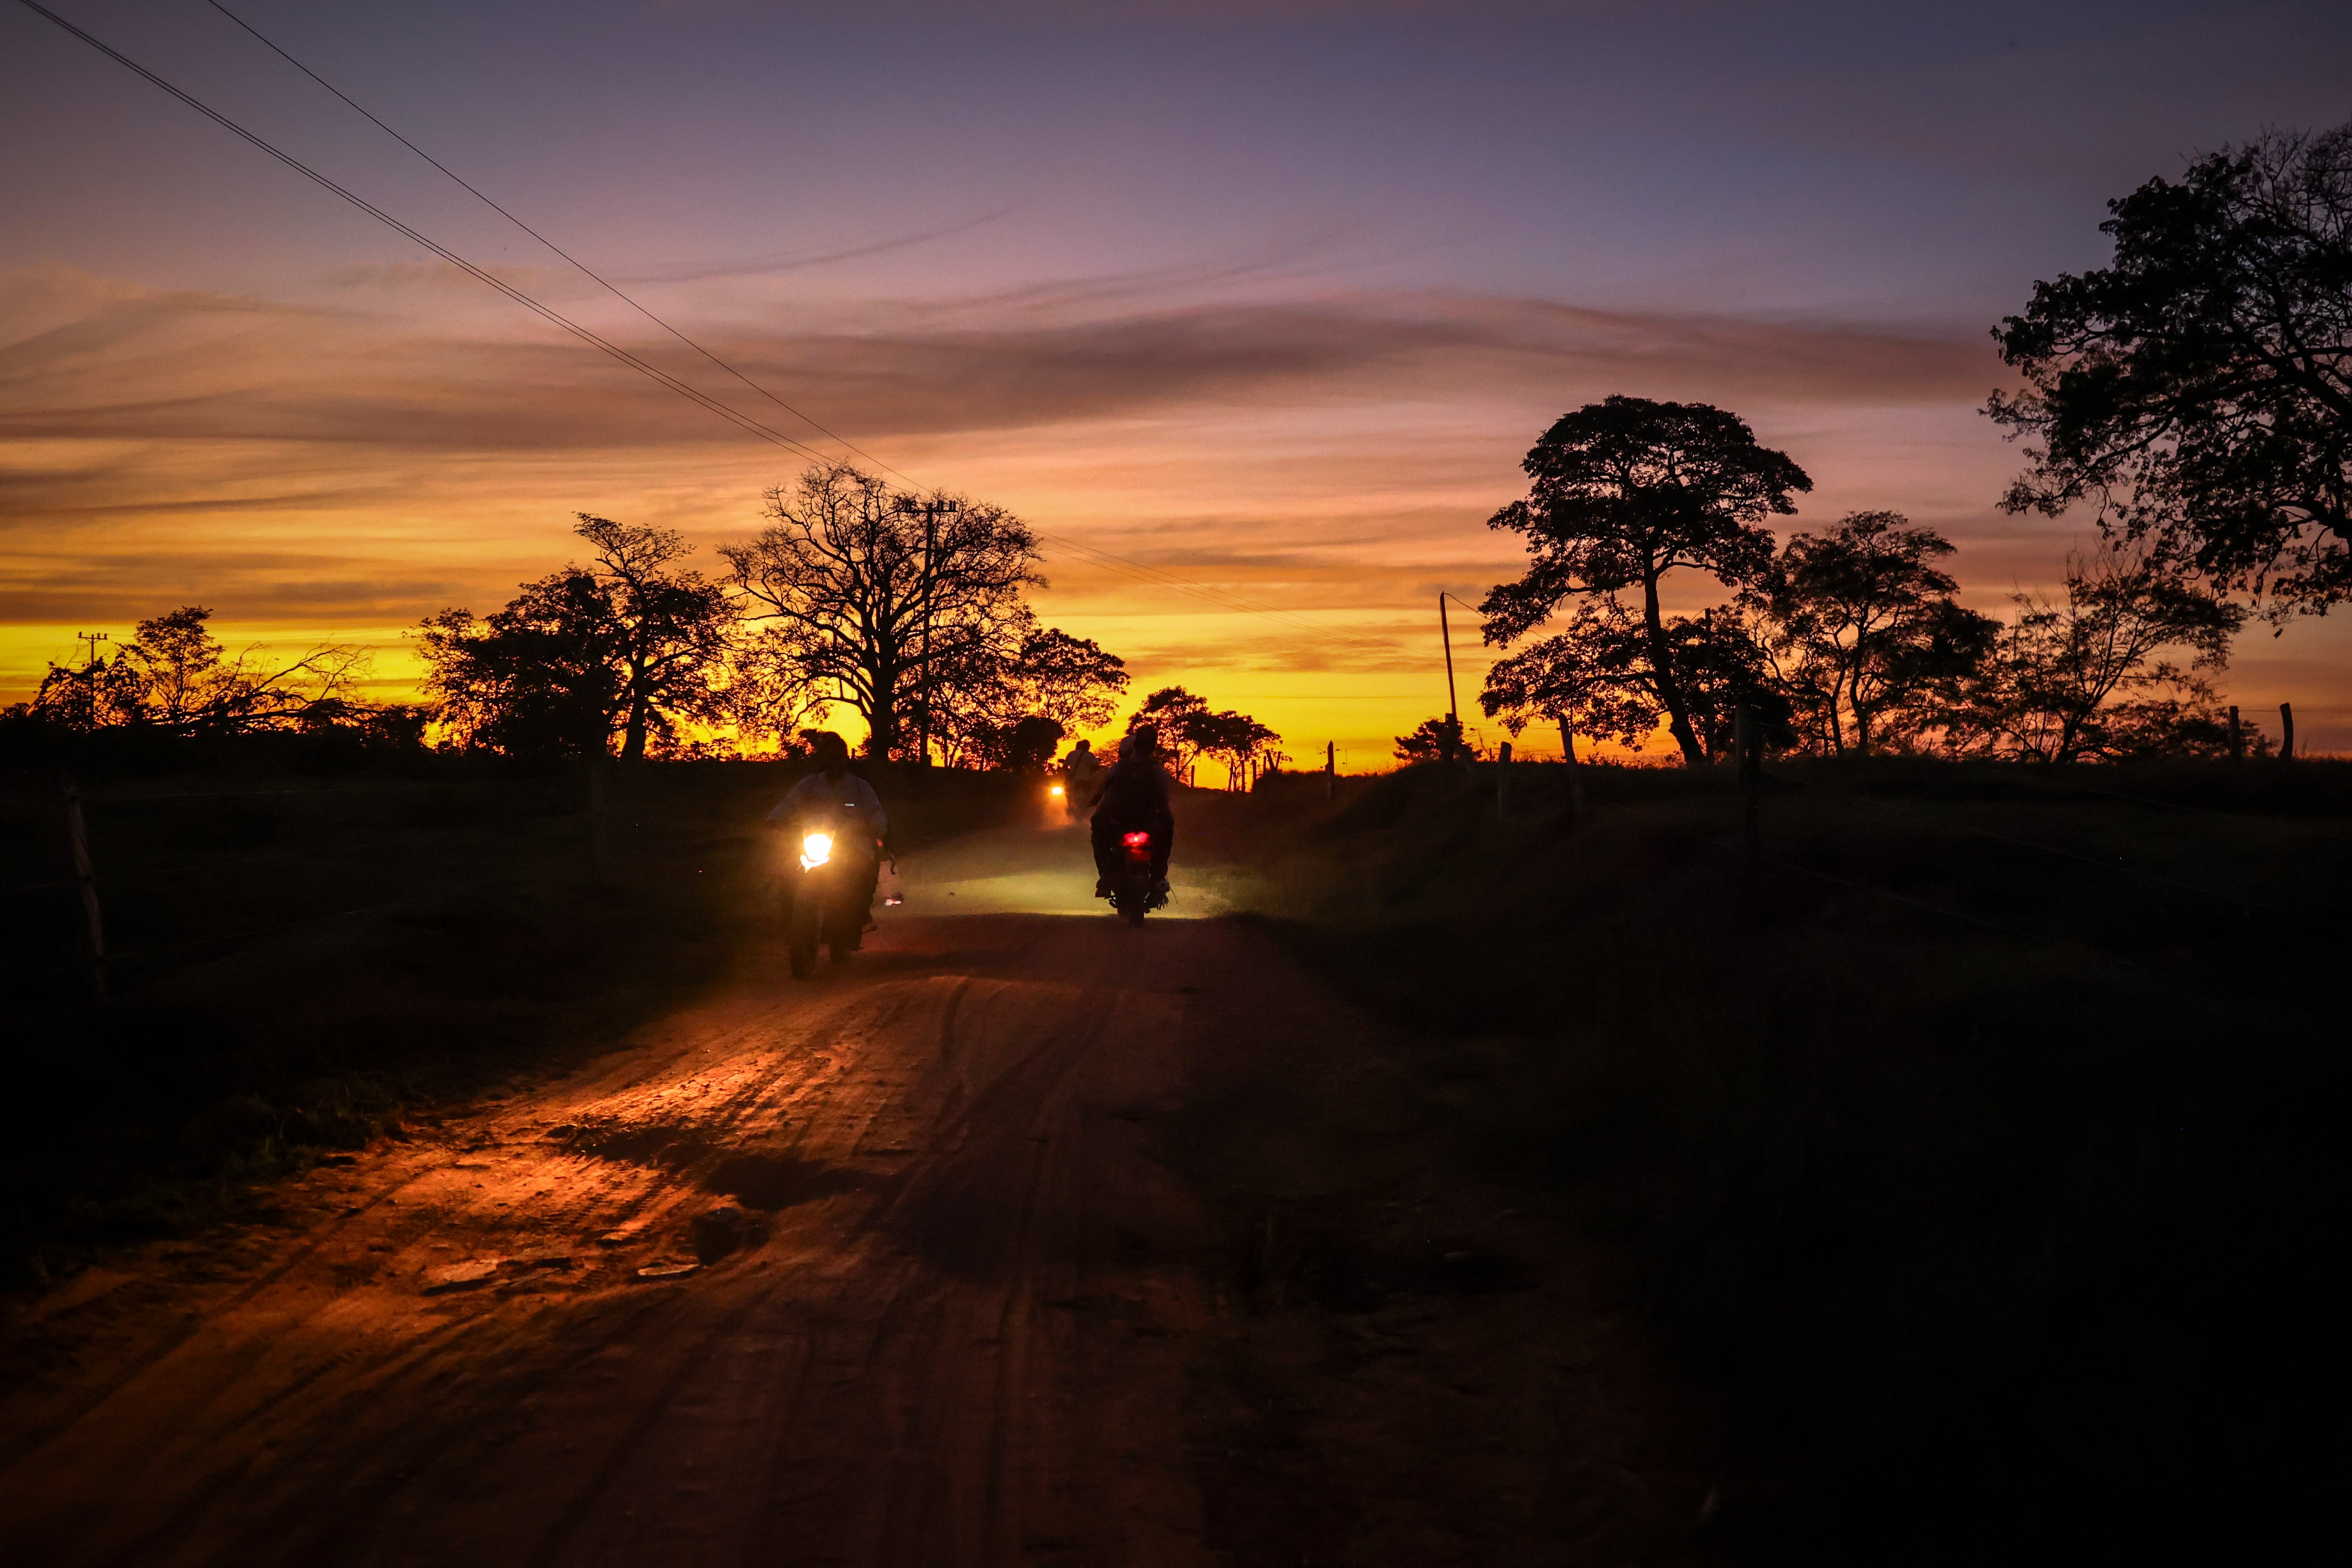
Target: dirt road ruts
941	1316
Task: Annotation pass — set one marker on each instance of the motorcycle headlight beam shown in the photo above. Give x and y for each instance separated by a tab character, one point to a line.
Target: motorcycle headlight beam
815	850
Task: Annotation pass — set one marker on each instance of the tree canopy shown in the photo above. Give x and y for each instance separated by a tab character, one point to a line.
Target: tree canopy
1864	630
1625	492
2086	674
979	700
2197	389
173	675
628	645
1189	729
881	596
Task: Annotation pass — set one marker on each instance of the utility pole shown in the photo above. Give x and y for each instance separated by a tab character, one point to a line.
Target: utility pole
930	584
1330	769
1445	632
2287	730
93	639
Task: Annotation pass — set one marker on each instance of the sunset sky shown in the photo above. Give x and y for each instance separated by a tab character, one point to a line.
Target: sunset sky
1272	296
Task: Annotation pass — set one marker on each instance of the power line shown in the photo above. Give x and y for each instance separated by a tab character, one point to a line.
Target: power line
1220	598
583	267
742	421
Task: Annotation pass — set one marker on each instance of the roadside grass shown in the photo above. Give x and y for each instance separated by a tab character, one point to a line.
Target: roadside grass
260	1023
1983	1154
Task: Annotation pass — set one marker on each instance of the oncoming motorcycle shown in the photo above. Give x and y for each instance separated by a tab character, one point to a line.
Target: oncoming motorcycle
829	901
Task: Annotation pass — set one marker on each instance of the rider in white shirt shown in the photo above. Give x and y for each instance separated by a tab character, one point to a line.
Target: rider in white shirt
837	801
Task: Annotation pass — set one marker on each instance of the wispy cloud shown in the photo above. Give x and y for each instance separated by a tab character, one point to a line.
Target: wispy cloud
358	464
211	368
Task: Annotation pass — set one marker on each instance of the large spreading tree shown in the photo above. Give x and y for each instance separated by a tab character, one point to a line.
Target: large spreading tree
882	597
628	646
1861	620
1626	491
2197	389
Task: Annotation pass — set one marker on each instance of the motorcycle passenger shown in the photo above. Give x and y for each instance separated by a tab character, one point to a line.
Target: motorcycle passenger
1134	797
1079	773
835	801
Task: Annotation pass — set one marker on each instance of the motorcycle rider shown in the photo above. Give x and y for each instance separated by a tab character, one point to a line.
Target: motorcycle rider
1133	797
1079	770
835	801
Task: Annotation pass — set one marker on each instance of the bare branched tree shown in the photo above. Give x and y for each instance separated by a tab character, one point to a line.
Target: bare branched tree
2087	675
878	594
174	675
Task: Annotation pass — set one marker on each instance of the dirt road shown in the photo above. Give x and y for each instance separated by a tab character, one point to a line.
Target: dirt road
952	1329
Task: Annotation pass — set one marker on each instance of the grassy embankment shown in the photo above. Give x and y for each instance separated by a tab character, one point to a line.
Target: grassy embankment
256	1021
1983	1159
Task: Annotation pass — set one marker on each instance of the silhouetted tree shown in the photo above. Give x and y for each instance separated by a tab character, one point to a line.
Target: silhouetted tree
1601	671
1627	490
978	697
1030	743
1863	630
1189	730
1173	714
1236	739
540	677
1068	679
675	628
879	596
1594	673
173	675
2198	388
2082	676
628	645
1432	740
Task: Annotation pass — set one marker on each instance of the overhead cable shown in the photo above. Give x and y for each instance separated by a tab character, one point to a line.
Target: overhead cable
1219	598
734	417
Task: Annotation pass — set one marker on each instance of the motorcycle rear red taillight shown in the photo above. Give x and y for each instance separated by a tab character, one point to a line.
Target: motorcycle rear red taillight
1138	840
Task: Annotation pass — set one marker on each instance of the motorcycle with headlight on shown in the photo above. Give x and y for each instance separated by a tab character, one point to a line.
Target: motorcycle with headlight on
829	901
1135	891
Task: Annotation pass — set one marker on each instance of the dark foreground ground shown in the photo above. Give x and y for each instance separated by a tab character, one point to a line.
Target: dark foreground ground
1952	1185
959	1300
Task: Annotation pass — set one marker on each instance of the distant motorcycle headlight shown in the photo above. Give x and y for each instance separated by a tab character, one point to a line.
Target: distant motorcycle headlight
815	850
1057	789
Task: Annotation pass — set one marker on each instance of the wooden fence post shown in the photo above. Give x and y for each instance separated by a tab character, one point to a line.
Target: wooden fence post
86	883
1503	781
2287	730
2237	737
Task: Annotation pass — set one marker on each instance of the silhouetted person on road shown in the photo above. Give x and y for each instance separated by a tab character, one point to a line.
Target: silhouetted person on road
1081	776
835	801
1134	797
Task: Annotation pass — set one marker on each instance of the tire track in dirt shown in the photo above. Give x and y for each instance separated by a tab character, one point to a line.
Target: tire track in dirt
887	1378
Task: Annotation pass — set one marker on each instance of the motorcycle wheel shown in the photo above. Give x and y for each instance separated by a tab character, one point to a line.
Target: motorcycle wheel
1134	897
801	941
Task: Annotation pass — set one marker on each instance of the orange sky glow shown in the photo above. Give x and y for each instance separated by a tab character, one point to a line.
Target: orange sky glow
262	403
